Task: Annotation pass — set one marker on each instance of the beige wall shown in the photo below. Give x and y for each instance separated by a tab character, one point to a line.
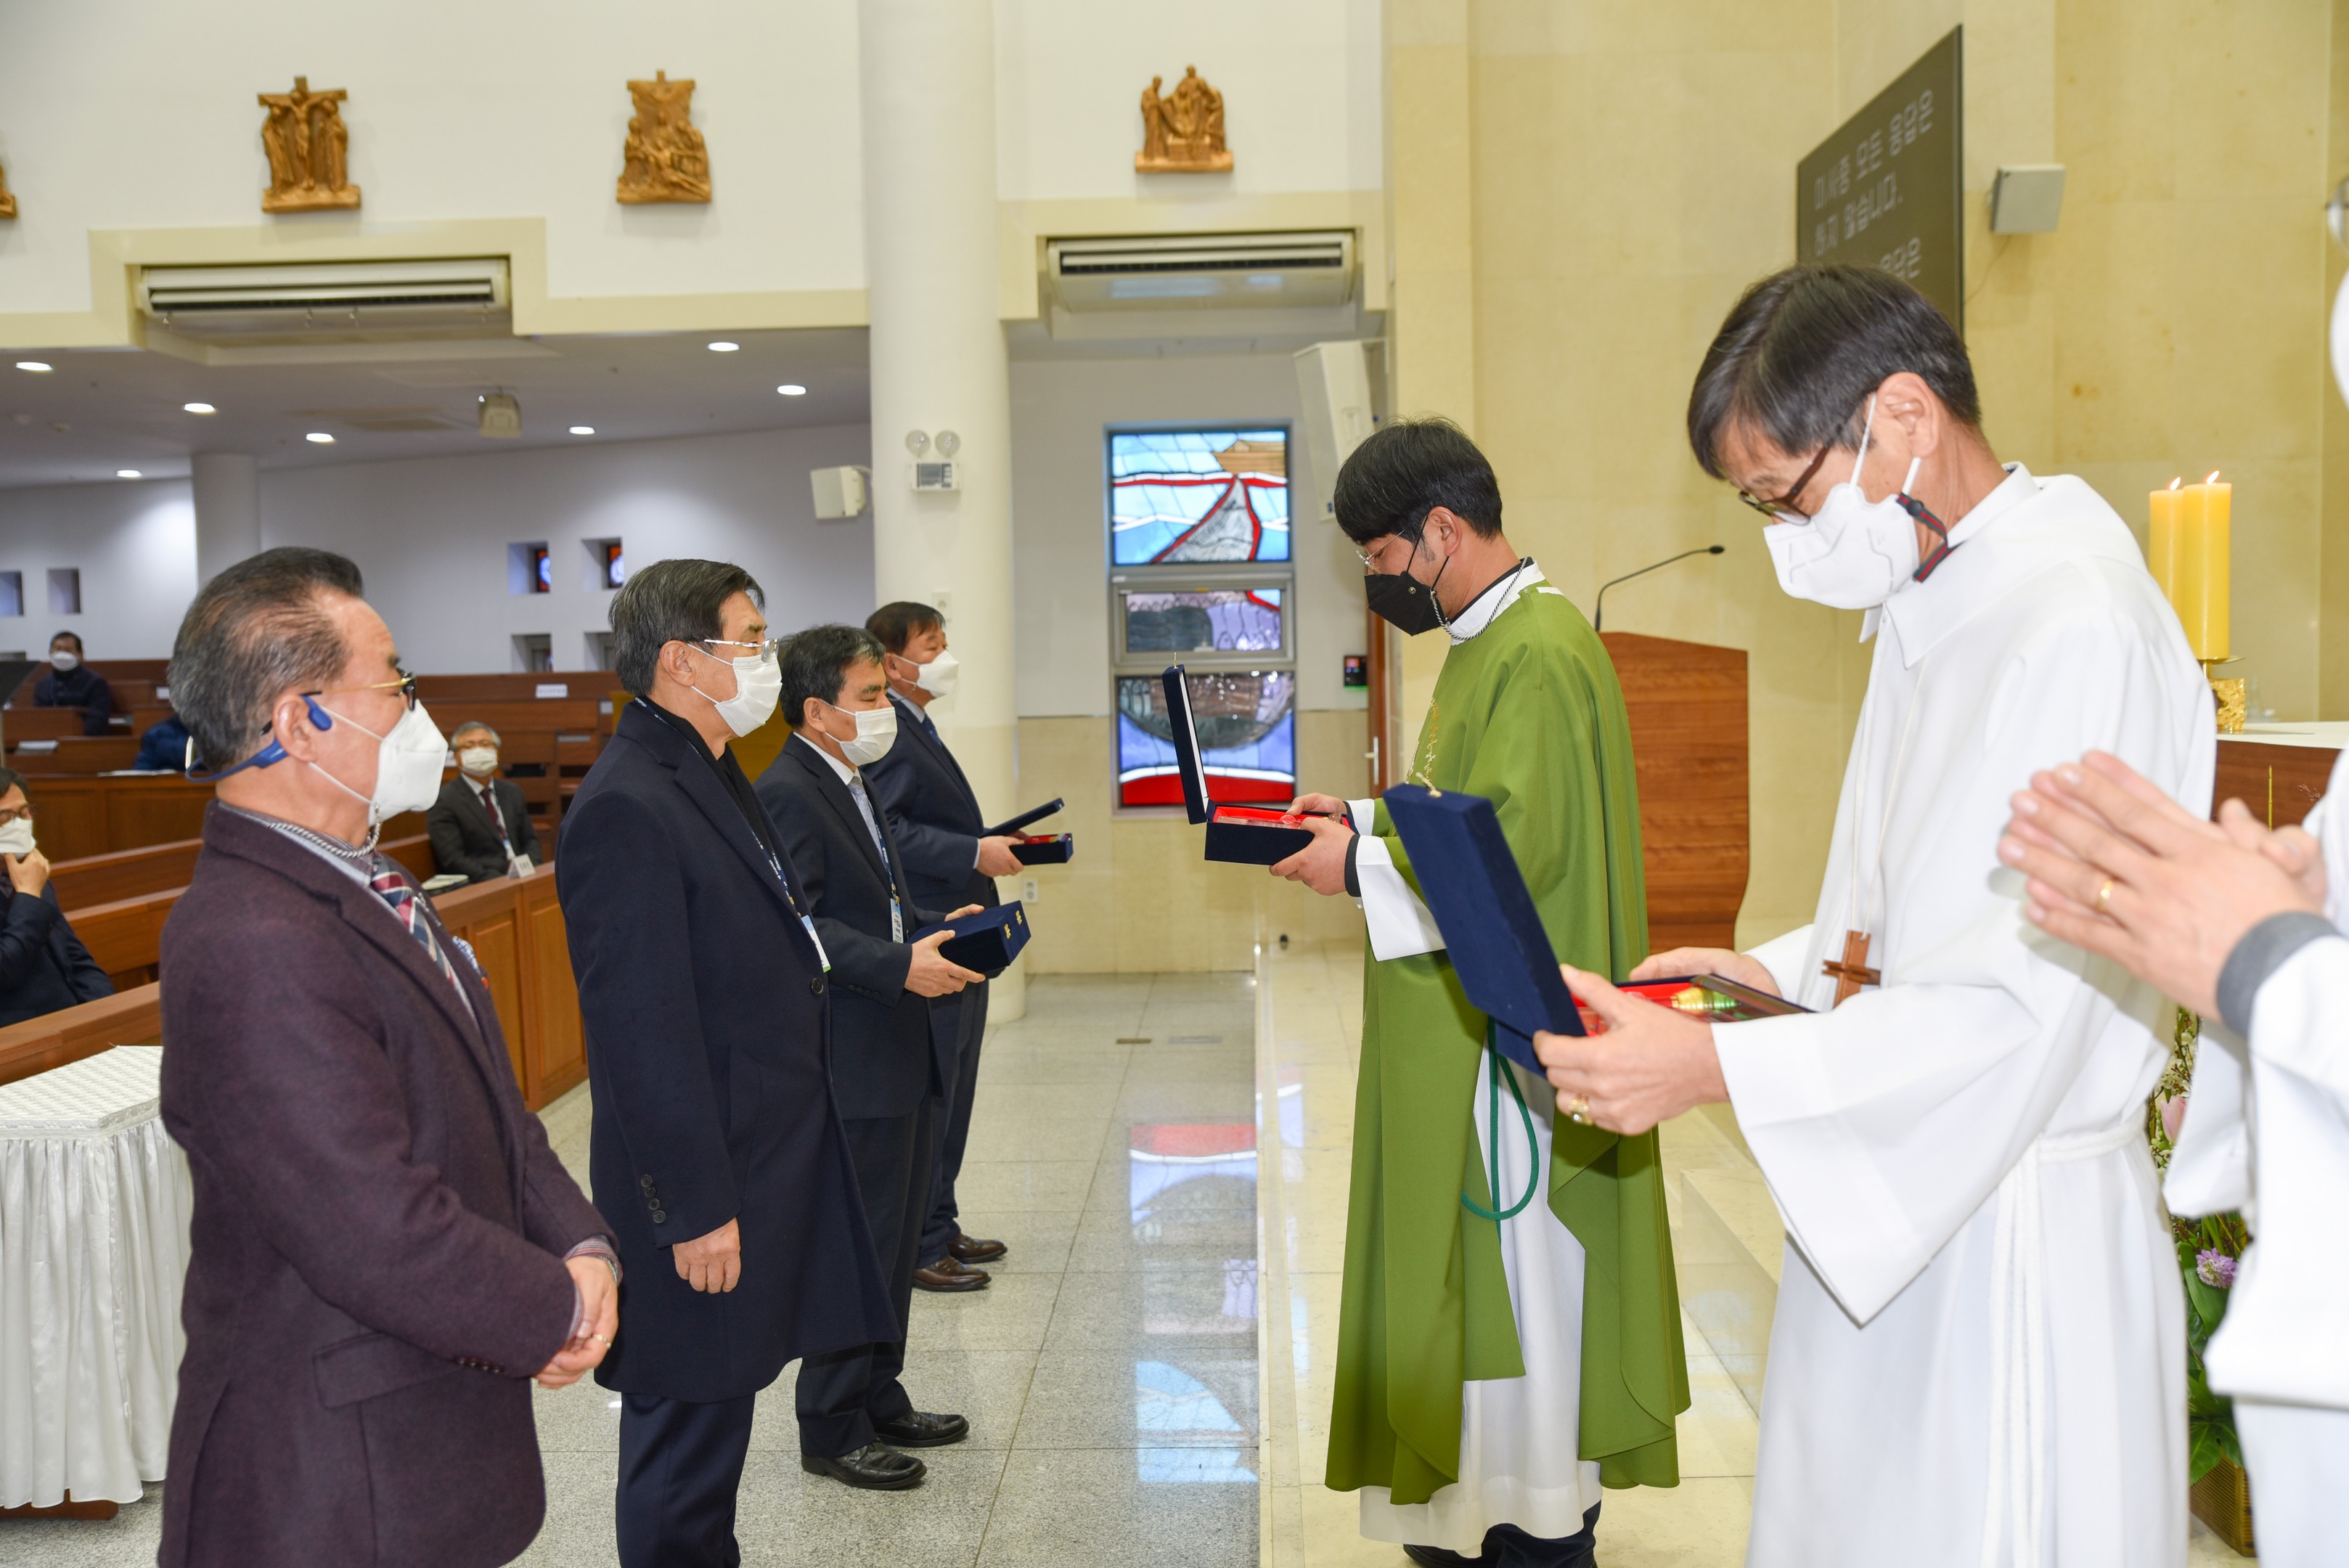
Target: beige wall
1630	168
1138	898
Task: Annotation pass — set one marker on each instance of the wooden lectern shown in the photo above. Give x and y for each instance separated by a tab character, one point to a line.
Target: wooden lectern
1687	706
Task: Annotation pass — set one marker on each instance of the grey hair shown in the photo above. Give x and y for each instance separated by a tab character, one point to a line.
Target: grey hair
678	600
473	727
257	628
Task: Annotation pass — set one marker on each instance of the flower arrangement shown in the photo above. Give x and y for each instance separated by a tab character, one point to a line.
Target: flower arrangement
2210	1250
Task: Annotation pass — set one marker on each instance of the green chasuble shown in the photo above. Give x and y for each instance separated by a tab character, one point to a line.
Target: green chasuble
1527	715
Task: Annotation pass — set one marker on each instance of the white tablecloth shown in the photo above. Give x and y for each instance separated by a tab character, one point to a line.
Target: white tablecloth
93	1203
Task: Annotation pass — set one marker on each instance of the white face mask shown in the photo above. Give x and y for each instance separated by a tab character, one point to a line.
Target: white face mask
16	837
1855	552
758	687
938	676
64	663
479	760
876	731
406	765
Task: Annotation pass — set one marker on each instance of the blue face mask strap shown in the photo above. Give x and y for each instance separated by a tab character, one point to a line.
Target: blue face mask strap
270	754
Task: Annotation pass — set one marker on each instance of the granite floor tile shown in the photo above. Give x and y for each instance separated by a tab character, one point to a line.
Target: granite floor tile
786	1518
1057	1102
582	1419
1041	1184
1125	1400
1008	1132
1203	1102
1109	1240
1038	1239
1178	1304
130	1537
1000	1072
1010	1313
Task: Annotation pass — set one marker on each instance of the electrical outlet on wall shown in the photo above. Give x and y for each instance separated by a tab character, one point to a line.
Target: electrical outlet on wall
1026	890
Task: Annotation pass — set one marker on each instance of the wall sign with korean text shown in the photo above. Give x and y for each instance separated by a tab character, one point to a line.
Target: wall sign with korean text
1887	190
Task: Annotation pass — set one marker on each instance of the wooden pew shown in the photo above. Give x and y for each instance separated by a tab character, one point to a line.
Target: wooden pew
73	754
514	924
123	874
40	724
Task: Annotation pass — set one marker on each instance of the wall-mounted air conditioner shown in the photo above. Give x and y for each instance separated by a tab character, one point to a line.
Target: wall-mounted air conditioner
328	302
1203	272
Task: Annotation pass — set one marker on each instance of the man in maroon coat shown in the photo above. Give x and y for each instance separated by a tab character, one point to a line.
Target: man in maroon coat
384	1249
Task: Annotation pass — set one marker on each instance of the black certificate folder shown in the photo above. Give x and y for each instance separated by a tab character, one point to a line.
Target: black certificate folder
987	942
1245	835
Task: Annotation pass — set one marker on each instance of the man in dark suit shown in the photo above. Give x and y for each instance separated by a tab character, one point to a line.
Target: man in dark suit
383	1248
44	968
716	1150
948	860
481	825
72	683
886	1060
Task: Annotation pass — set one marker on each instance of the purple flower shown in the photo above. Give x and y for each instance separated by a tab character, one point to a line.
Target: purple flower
2214	1267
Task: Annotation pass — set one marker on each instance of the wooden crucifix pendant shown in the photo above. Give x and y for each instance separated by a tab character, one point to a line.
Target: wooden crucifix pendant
1851	971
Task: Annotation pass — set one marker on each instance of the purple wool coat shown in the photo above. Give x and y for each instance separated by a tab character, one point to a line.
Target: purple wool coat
375	1269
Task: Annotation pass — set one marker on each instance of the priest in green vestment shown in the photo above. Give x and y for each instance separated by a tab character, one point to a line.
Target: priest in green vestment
1510	1337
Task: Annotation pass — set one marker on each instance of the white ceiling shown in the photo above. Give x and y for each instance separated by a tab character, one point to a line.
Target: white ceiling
100	410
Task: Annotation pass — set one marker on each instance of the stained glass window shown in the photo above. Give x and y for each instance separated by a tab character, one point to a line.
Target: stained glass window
1202	620
1179	496
1246	723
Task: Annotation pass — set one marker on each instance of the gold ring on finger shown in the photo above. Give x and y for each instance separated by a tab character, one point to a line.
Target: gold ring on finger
2104	895
1578	1109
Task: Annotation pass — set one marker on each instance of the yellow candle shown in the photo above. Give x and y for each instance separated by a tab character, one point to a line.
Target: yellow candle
2199	579
2161	542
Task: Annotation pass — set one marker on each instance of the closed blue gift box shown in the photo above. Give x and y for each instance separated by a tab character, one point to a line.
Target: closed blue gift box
987	942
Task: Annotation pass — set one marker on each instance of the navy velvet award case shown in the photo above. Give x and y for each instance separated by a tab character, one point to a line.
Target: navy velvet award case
1247	834
987	942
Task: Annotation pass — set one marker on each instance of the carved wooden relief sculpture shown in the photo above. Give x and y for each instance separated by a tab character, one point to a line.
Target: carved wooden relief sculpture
308	148
666	159
1183	131
8	201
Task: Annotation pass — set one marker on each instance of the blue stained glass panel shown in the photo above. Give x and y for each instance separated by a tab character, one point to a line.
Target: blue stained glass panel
1198	495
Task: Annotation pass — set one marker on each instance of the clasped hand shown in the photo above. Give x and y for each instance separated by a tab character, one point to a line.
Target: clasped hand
1320	864
599	1319
2116	866
1646	1063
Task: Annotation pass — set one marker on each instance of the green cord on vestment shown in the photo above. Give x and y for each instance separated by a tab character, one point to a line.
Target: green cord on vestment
1533	1150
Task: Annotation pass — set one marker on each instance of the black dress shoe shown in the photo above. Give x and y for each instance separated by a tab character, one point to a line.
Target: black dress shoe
876	1467
975	1250
921	1429
947	1274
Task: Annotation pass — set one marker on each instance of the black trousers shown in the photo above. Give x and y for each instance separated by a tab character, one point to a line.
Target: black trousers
680	1467
944	1221
842	1394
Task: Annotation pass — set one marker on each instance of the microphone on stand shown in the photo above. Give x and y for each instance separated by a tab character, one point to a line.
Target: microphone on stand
1599	609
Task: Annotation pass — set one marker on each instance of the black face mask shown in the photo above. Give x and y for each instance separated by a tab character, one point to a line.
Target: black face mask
1403	601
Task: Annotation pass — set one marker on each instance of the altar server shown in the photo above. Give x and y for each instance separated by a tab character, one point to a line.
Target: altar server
1978	1354
2243	926
1510	1335
384	1248
704	991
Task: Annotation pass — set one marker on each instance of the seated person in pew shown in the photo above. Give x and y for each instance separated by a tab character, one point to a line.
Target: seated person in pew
480	825
70	683
163	749
44	968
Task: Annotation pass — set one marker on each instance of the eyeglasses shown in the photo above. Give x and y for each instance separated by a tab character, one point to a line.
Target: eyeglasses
1371	561
765	648
1781	509
21	814
405	686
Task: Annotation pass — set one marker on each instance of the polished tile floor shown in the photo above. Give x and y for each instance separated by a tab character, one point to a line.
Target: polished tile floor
1109	1373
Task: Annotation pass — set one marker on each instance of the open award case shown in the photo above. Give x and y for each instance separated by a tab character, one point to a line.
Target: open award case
1493	933
1035	848
1247	834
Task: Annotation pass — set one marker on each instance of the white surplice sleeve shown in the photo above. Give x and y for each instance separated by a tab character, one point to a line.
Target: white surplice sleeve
1783	957
1883	1126
2288	1315
1398	922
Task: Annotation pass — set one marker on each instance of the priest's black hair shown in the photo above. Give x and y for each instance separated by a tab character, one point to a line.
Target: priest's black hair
1407	469
816	664
1802	349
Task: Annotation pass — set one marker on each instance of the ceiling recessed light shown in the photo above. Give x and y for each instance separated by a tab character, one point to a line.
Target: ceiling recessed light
126	473
38	368
321	437
582	430
793	389
720	347
200	408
